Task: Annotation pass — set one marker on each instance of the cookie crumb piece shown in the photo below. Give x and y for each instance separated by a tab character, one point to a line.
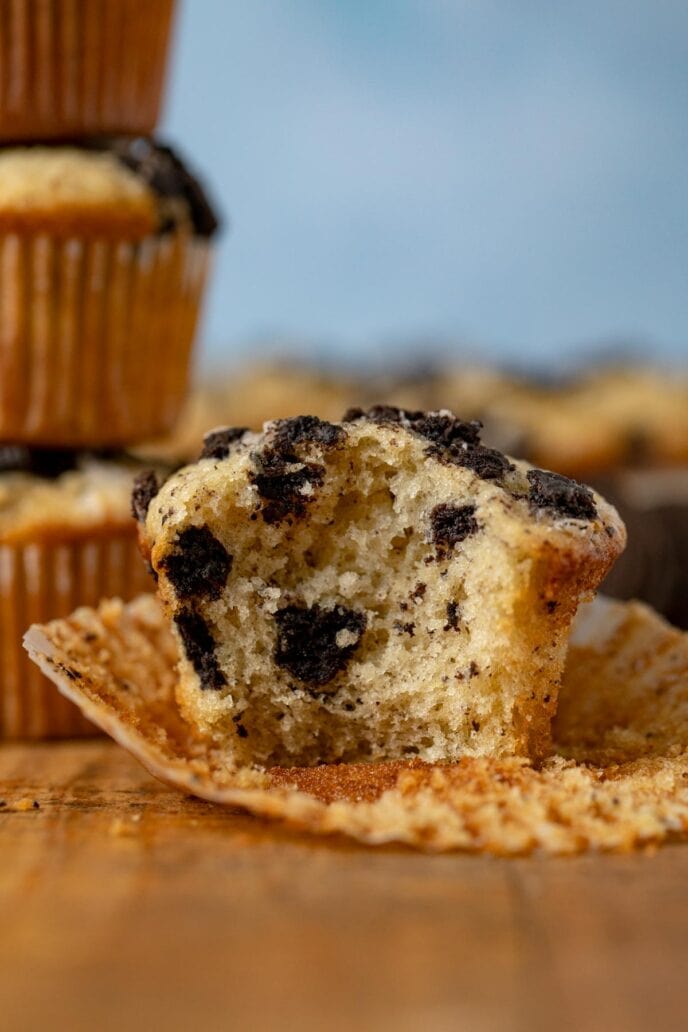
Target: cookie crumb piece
560	495
217	444
307	430
285	483
452	524
453	617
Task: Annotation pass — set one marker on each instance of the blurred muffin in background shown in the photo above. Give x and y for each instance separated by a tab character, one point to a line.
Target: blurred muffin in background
598	420
67	538
654	506
256	393
76	69
104	249
250	397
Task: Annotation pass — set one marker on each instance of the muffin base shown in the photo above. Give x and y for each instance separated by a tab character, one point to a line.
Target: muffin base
73	68
43	579
111	322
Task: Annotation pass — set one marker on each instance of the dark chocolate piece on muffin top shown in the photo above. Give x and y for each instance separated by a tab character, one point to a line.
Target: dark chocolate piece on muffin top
306	430
166	174
452	440
389	592
560	495
286	482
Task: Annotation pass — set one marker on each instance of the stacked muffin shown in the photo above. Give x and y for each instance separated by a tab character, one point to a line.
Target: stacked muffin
104	247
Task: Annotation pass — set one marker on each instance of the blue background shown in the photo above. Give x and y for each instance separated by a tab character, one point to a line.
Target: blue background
511	176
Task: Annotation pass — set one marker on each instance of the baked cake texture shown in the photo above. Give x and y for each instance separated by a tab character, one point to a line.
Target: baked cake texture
379	588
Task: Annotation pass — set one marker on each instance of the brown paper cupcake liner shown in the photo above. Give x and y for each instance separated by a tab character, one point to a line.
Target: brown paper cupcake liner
618	781
78	67
111	322
40	580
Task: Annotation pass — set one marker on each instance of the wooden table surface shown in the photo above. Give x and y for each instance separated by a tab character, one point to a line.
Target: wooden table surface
126	906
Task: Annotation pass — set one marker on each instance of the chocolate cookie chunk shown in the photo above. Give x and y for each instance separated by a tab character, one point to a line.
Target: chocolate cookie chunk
285	483
444	430
199	647
199	565
487	463
452	524
305	430
314	644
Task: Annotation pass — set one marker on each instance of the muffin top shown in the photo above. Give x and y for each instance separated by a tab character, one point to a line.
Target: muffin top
601	419
117	187
52	493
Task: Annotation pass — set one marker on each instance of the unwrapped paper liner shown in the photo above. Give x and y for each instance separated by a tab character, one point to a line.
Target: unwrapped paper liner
619	779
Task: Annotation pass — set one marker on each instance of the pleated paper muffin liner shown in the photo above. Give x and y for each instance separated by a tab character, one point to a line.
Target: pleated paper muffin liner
41	580
96	336
619	782
73	68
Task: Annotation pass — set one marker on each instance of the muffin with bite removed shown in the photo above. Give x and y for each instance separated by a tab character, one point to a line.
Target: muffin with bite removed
381	587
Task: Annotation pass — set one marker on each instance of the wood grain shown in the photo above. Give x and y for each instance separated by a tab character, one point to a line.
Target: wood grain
127	906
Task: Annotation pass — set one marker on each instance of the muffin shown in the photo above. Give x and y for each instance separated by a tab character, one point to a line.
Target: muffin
76	69
374	589
598	420
103	255
66	539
